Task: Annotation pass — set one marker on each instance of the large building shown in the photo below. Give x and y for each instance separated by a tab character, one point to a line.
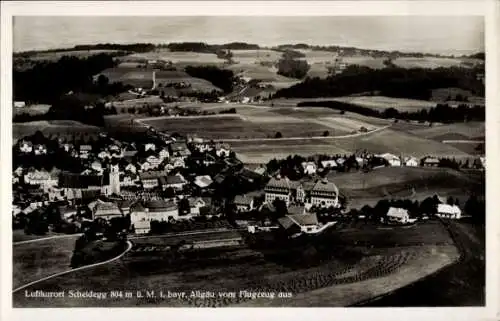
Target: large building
321	193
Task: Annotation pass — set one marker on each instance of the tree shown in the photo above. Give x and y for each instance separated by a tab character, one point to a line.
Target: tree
278	135
184	207
281	208
326	133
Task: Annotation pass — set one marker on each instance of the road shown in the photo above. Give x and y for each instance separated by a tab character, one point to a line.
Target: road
46	238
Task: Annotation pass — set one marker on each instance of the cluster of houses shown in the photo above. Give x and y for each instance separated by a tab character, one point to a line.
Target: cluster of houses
144	180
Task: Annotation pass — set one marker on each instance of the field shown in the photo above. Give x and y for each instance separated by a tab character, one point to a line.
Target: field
255	56
414	183
230	127
20	130
427	62
461	284
176	57
461	131
383	141
144	78
303	267
381	103
33	261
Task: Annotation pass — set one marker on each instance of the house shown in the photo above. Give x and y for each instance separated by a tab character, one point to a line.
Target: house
410	161
163	154
261	169
296	210
222	150
150	179
393	160
18	171
195	204
68	211
324	194
430	161
104	210
97	166
279	188
145	166
129	151
43	178
177	162
149	146
243	203
153	161
19	104
128	179
74	186
449	211
340	161
26	147
309	168
299	223
398	215
177	182
67	147
85	151
202	147
139	220
329	163
40	149
203	181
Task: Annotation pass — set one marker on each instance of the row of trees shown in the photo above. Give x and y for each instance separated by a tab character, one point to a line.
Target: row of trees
442	113
416	83
218	77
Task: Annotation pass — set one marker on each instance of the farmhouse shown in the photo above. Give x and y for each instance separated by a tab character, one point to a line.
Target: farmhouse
324	194
393	160
243	203
449	211
309	168
398	215
104	210
411	161
430	161
40	149
26	147
222	150
299	223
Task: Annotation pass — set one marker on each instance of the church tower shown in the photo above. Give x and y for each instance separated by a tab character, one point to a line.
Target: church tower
114	179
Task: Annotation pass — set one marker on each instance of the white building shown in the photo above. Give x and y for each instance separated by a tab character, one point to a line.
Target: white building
149	146
163	154
243	203
203	181
449	211
325	194
398	215
393	160
26	147
411	161
40	149
310	168
154	161
131	168
329	163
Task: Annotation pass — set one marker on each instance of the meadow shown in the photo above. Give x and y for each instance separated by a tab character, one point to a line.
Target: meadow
381	103
427	62
33	261
51	127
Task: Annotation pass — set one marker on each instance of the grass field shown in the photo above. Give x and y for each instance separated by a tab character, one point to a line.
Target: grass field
20	130
461	284
239	267
384	141
255	56
381	103
471	130
177	57
33	261
427	62
144	78
236	127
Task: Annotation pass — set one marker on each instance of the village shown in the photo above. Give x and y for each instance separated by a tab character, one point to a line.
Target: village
162	183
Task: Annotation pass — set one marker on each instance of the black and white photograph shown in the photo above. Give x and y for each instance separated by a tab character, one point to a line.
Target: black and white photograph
247	161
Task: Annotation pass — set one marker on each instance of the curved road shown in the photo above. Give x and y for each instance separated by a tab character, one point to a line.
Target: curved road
129	247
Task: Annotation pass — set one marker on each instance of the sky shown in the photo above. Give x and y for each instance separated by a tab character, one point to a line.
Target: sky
434	34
